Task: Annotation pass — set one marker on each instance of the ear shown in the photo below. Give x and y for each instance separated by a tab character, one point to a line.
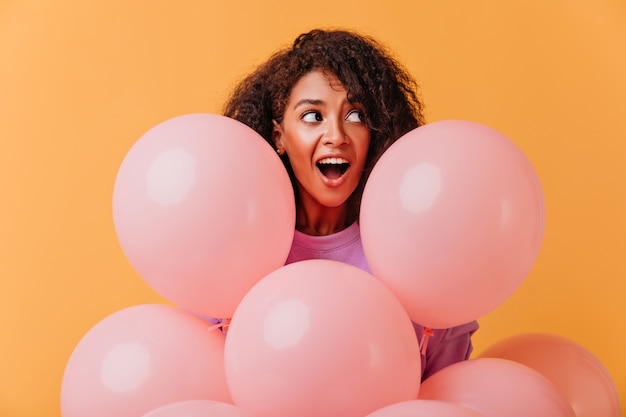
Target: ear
277	136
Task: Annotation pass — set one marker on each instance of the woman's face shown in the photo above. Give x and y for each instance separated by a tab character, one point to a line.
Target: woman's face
326	139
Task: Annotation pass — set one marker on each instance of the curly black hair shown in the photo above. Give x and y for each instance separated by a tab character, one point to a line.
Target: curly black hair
369	73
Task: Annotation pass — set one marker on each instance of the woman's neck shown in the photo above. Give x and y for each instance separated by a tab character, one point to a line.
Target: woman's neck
318	220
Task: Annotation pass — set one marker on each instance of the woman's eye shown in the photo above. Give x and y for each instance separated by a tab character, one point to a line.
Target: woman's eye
355	116
312	117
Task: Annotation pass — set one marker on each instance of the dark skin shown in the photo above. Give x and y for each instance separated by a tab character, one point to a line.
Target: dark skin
384	92
326	140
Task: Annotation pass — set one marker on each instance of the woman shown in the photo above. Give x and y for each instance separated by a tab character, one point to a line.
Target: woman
330	105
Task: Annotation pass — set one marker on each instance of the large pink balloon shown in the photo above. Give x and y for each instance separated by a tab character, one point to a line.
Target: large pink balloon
141	358
496	387
320	338
199	408
203	209
424	408
578	375
452	220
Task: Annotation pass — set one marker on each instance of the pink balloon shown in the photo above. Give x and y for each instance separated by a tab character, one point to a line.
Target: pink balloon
320	338
203	209
424	408
199	408
452	220
495	388
141	358
578	375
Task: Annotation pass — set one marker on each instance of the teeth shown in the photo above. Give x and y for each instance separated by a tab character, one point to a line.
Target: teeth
333	161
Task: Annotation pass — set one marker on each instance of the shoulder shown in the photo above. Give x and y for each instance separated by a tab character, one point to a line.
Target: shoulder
447	338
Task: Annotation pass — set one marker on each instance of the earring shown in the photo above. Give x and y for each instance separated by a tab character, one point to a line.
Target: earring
279	152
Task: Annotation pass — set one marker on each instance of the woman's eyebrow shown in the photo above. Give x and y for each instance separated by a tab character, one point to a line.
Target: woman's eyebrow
308	101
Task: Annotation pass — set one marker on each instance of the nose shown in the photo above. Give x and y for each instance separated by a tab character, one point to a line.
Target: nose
335	134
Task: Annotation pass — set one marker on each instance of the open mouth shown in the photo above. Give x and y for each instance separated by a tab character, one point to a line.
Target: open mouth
333	168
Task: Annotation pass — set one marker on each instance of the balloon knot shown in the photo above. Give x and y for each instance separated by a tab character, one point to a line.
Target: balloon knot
222	324
427	333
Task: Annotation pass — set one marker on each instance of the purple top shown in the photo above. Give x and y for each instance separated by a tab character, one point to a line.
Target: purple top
444	347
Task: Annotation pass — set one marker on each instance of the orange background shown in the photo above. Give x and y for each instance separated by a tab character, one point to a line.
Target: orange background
81	81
